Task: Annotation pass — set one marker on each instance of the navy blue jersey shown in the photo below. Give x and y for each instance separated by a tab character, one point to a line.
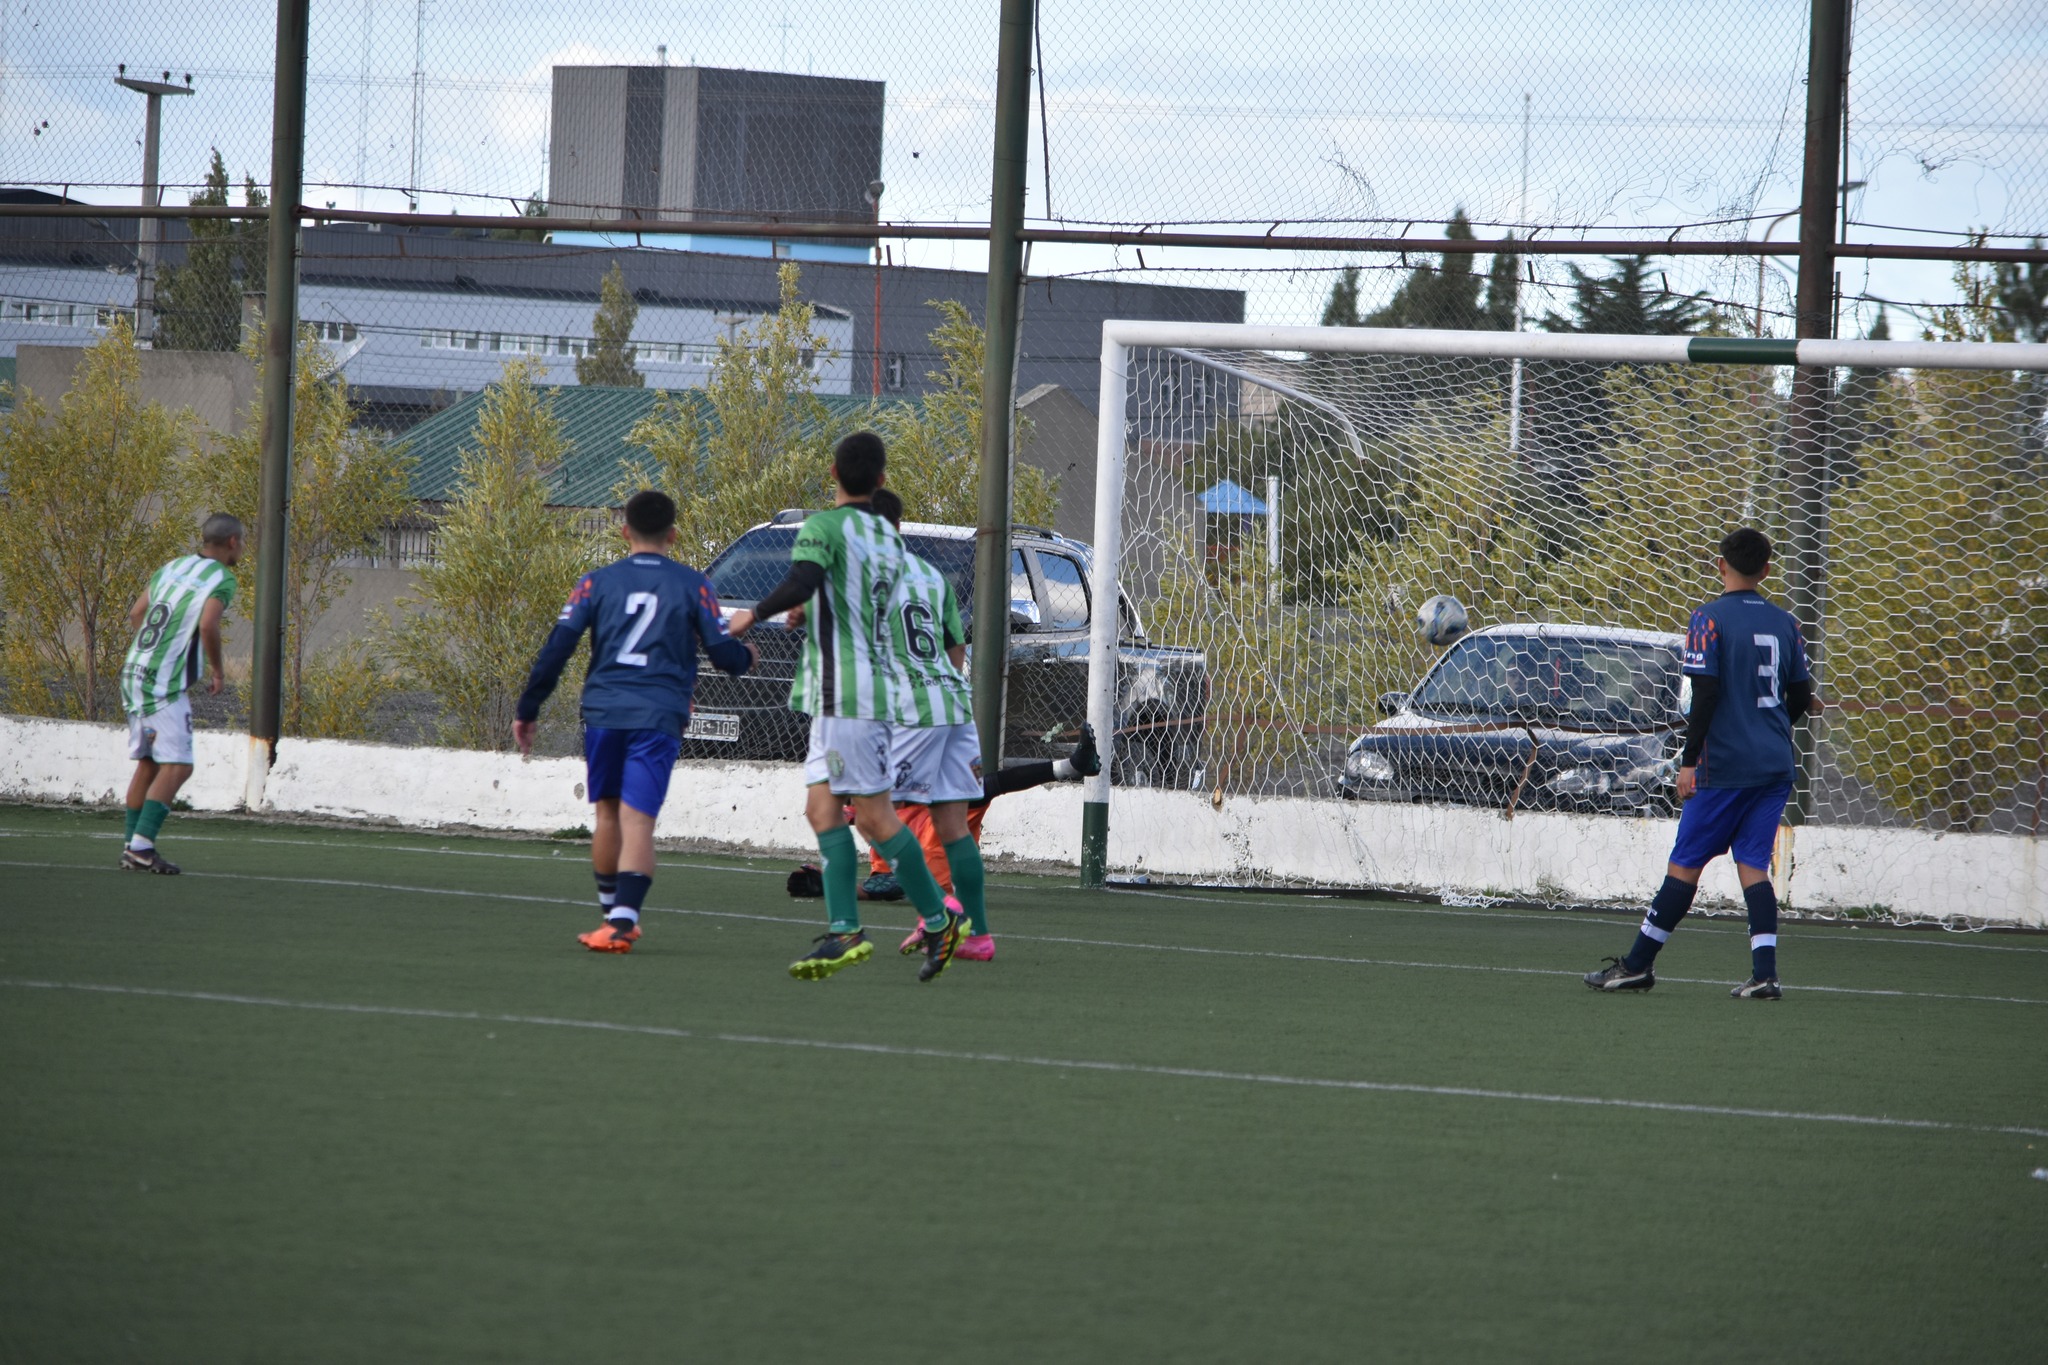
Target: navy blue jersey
646	616
1754	647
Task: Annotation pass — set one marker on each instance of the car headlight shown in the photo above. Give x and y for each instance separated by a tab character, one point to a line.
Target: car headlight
1582	782
1367	766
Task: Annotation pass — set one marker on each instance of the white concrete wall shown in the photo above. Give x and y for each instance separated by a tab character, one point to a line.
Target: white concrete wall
758	807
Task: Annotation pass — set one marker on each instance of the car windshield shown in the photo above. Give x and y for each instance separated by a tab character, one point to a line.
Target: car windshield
758	560
1581	683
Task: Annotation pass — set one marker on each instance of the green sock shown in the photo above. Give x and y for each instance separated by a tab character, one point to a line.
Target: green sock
842	901
133	816
906	859
964	857
150	820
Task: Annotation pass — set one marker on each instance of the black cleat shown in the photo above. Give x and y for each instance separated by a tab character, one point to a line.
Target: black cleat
147	860
883	886
1087	762
939	945
833	953
1753	989
1619	976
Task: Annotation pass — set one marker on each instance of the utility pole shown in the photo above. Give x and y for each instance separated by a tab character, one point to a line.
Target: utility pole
874	198
1515	371
280	352
147	230
419	96
1811	416
999	379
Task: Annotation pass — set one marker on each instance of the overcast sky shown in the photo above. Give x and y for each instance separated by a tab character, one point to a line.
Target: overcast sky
1643	115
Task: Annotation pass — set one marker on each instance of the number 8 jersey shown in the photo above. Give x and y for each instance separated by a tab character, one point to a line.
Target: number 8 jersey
161	661
925	624
1754	648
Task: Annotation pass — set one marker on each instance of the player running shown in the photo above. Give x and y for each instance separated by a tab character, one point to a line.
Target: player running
847	570
1750	685
183	603
646	615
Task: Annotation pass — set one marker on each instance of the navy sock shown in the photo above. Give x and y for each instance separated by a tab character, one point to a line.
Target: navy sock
1762	900
632	892
1667	908
607	889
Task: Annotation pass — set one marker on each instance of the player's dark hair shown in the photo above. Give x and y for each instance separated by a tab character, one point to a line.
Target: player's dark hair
887	504
1747	550
858	461
649	514
219	529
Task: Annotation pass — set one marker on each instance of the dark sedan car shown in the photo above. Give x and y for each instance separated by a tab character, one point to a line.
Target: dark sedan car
1533	716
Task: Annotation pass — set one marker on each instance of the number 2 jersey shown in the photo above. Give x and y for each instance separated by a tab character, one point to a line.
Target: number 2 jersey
926	621
1754	648
646	616
162	661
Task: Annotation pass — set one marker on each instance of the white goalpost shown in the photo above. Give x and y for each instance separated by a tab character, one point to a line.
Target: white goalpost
1274	504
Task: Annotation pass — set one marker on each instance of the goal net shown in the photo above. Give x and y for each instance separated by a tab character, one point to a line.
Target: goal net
1275	506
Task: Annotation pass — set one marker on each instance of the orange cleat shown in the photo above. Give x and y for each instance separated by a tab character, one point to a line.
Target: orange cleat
605	939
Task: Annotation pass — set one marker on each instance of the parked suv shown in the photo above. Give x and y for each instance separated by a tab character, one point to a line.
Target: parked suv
1545	716
1162	693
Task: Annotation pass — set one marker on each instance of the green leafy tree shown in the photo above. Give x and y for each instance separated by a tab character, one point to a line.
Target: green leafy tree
534	207
504	560
1341	309
199	304
96	499
1445	294
610	361
764	444
347	487
935	445
1503	289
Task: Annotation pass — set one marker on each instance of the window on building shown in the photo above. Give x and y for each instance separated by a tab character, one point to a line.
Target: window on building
893	372
807	358
780	250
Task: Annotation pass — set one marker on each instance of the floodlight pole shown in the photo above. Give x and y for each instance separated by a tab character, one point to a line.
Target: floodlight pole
280	337
999	378
149	230
1812	417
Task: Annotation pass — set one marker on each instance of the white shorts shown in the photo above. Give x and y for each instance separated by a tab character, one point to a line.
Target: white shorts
850	756
166	736
937	763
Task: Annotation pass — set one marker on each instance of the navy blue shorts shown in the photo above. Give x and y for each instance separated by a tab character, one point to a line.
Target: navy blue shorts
1720	819
630	765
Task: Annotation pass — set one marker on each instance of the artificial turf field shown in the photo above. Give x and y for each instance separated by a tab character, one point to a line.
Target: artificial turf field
353	1095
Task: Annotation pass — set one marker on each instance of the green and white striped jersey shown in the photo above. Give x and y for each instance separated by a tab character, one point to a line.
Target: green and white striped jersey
925	617
164	660
849	666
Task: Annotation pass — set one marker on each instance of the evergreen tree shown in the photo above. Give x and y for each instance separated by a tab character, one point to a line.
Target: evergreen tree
1341	310
199	304
1442	295
1503	288
535	207
610	361
2020	293
1623	302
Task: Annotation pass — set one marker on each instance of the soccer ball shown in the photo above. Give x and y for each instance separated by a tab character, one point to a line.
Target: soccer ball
1443	620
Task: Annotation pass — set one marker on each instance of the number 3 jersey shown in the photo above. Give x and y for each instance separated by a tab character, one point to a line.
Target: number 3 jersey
926	623
161	661
1755	649
646	616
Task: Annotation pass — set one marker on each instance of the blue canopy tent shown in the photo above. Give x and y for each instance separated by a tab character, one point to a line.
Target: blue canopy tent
1228	499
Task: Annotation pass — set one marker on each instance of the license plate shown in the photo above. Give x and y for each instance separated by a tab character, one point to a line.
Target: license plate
714	725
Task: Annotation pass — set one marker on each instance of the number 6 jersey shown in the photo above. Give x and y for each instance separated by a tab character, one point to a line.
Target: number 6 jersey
926	622
646	616
1754	647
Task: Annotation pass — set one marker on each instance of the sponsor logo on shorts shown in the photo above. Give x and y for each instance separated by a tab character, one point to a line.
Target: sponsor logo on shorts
835	764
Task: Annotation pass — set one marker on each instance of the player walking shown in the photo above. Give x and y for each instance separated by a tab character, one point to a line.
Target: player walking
646	615
1750	685
847	571
183	603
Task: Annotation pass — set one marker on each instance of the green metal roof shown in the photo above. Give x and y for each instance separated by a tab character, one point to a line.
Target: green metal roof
7	378
595	422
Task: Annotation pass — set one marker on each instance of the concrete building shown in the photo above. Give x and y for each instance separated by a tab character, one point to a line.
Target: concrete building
695	143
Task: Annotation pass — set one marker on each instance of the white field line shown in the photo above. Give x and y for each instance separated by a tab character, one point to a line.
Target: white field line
1018	1059
1190	949
1583	919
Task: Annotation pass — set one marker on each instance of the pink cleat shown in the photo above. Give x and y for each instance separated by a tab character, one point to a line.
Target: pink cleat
977	948
915	942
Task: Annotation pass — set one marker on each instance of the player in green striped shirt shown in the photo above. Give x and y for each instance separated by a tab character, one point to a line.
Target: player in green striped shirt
181	608
936	749
846	571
